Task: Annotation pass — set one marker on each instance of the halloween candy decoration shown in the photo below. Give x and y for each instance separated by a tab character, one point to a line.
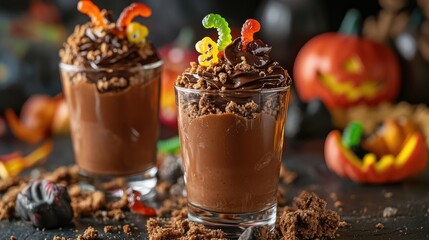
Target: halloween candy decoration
250	27
46	204
360	71
136	32
223	30
41	116
209	51
137	206
207	47
13	163
393	152
90	9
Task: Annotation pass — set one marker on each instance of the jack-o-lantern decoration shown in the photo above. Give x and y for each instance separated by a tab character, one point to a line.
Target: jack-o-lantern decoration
344	70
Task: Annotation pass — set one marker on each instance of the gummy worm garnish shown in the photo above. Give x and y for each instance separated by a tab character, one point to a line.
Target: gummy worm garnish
224	32
132	11
250	27
90	9
209	51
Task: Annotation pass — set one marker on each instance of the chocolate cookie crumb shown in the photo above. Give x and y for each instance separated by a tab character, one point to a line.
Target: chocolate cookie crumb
309	219
180	228
379	226
338	204
126	229
343	224
389	212
388	194
89	234
60	238
281	196
108	229
287	176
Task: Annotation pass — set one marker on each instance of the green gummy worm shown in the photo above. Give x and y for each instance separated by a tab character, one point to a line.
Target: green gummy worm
216	21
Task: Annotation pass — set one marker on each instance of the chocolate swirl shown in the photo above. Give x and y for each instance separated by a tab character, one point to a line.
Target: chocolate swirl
102	47
240	70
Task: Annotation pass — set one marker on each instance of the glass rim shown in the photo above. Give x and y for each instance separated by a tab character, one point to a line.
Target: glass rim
232	91
73	68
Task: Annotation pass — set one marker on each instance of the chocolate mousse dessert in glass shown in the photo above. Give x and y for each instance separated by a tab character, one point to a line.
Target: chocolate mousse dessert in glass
111	80
232	108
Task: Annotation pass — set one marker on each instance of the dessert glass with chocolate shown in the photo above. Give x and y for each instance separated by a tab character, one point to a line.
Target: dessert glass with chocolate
231	117
111	80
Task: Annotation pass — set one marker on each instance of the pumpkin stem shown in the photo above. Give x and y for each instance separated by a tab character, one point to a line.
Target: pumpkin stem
352	23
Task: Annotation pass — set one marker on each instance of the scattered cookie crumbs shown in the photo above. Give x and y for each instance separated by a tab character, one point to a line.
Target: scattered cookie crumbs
379	226
309	219
286	175
333	196
343	224
163	187
388	194
126	229
281	197
108	229
89	234
60	238
171	207
180	228
338	204
389	212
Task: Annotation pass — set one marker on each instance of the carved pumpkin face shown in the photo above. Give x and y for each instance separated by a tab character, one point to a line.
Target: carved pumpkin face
345	70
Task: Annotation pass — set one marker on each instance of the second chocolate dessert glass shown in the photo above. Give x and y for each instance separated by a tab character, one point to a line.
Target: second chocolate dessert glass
111	80
114	133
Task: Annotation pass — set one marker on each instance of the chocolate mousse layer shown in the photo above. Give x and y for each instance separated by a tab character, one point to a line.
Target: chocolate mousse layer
231	125
112	89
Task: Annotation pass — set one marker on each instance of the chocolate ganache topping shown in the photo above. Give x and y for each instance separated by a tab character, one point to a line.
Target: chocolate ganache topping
103	47
238	70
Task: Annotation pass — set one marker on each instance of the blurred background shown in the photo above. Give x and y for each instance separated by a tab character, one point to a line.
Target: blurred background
32	32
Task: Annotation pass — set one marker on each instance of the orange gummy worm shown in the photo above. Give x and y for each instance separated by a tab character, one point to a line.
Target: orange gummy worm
250	27
132	11
90	9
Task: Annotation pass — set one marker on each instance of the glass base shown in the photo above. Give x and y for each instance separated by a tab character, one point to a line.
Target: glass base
143	182
233	224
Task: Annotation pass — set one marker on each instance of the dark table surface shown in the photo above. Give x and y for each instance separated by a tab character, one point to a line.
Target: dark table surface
362	204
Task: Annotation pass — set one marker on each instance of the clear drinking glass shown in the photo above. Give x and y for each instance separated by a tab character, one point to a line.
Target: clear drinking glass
114	124
232	143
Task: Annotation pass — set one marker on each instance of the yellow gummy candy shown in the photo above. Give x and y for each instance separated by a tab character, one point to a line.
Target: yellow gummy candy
137	33
209	50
